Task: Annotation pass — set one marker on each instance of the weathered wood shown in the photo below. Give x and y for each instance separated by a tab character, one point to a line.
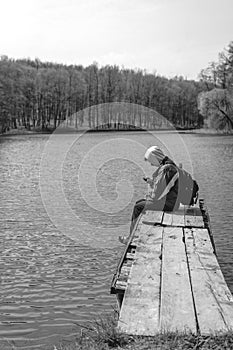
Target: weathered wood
141	236
125	270
213	300
193	217
206	219
170	277
135	241
121	284
130	256
140	309
177	309
175	218
117	274
123	278
152	217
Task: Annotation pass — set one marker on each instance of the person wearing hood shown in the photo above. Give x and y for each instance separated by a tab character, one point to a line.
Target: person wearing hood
163	186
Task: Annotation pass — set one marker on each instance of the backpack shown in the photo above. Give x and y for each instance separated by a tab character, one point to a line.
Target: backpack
187	188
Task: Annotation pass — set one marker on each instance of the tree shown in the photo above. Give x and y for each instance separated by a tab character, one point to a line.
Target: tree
217	107
37	94
216	104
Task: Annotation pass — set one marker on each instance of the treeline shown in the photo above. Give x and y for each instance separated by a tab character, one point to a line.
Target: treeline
36	94
216	102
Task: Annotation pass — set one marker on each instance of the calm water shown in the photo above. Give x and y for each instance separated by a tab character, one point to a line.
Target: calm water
64	201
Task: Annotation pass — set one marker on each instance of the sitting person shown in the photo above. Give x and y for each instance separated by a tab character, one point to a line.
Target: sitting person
163	187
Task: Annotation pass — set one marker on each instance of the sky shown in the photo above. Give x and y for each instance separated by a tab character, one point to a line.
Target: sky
166	37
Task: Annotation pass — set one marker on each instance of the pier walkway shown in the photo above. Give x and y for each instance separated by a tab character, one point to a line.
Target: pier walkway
169	278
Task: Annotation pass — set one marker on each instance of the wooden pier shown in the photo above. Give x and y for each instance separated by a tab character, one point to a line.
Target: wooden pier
169	278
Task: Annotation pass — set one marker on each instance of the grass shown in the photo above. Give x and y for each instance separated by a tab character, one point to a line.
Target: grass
102	335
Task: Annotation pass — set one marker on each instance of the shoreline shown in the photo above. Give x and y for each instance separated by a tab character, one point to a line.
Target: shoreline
201	131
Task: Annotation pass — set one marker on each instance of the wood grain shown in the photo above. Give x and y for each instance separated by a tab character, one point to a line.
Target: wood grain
177	310
213	300
152	217
140	309
175	218
193	217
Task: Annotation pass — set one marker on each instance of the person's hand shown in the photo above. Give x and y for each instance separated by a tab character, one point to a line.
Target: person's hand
149	181
148	198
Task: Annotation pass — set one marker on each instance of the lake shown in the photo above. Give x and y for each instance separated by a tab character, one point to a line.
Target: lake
65	199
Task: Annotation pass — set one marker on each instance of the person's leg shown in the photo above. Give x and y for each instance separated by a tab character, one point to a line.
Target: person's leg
138	208
141	205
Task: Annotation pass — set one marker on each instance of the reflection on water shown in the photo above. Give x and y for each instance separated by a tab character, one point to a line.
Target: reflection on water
51	283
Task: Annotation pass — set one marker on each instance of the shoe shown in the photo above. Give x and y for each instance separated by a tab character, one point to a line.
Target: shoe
123	239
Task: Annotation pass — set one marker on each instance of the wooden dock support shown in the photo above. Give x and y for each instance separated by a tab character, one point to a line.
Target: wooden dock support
169	278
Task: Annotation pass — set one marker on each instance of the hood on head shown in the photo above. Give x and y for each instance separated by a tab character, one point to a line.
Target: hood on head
154	155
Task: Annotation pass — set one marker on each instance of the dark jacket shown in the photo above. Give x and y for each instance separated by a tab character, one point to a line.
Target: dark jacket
165	185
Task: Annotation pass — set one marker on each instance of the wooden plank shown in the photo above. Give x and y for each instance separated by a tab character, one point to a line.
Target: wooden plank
177	309
127	246
140	308
130	256
135	241
193	217
213	300
206	220
125	270
121	284
152	217
175	218
141	236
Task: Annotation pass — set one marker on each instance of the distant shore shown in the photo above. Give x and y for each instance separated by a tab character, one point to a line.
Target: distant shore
204	131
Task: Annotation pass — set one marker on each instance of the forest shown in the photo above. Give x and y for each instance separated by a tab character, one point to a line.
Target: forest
40	95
